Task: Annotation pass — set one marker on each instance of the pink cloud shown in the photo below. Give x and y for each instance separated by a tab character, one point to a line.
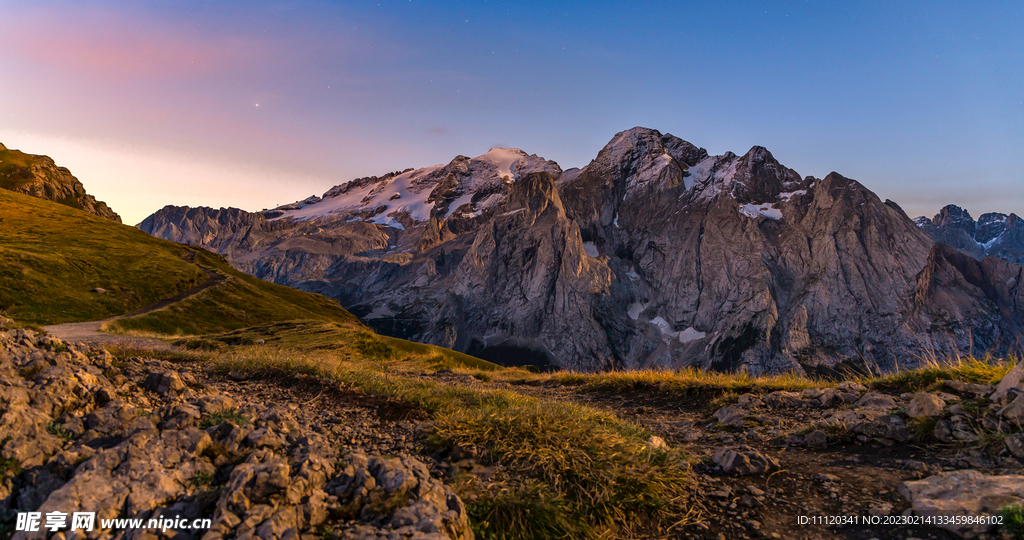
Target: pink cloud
104	44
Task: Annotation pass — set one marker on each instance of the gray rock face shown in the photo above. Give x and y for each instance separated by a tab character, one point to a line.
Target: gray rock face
653	255
995	234
164	449
963	493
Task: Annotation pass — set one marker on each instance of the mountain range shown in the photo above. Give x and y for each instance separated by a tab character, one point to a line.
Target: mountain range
996	234
654	255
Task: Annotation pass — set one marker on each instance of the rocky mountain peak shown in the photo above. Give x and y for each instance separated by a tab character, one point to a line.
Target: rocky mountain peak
994	233
952	215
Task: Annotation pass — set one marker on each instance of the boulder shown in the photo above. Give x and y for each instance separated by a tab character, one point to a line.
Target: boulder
963	493
876	401
1015	444
1014	380
1014	412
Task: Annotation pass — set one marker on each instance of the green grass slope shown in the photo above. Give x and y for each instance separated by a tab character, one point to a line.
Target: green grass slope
52	258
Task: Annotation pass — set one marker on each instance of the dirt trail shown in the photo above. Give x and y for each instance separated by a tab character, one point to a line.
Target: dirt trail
90	334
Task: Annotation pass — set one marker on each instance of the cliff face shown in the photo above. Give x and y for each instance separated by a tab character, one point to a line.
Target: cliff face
654	254
39	176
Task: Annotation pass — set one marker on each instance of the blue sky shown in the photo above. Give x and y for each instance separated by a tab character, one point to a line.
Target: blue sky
255	104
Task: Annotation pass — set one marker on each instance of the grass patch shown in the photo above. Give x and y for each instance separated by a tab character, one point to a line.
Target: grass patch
971	370
57	430
687	386
923	429
217	418
1013	520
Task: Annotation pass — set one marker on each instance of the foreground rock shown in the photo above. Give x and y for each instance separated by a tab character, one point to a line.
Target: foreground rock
143	440
961	494
744	460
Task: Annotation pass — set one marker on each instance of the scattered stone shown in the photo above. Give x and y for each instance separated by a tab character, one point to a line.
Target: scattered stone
925	404
238	375
723	492
744	460
99	290
656	443
968	388
750	401
1014	412
880	509
1015	444
163	382
825	478
816	439
731	415
963	493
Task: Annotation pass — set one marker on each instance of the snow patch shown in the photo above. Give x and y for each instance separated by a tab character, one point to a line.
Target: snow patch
988	245
463	199
504	159
379	312
632	275
691	334
590	249
412	199
754	211
635	309
789	194
686	336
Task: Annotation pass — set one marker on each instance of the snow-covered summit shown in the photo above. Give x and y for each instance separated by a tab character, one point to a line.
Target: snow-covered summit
404	198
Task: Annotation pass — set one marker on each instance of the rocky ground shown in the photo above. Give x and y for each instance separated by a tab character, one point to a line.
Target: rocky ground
304	458
142	438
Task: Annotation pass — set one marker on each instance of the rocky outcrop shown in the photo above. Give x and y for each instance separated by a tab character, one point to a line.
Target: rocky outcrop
656	254
965	502
39	176
995	234
142	439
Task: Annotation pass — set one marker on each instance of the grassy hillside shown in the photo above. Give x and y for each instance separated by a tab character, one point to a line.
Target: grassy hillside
53	257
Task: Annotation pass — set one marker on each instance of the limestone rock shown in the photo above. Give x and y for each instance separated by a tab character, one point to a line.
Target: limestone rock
731	415
963	493
1015	444
925	404
1014	380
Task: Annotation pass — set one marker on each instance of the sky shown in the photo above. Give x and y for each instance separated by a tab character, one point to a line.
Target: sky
255	104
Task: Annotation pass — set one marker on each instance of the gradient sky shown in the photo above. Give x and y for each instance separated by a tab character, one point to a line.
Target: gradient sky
255	104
